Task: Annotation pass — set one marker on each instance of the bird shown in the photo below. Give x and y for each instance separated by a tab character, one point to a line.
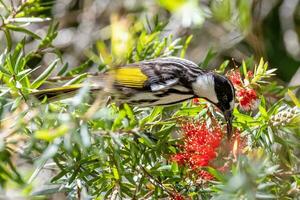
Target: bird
164	81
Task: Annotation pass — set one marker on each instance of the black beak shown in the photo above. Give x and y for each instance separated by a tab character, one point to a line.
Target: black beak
228	117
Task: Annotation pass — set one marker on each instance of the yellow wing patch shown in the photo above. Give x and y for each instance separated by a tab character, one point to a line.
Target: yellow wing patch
130	77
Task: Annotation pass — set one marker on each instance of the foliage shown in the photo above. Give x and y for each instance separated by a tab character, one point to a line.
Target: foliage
93	148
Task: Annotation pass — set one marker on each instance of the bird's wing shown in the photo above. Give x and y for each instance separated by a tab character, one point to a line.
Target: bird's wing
145	77
157	74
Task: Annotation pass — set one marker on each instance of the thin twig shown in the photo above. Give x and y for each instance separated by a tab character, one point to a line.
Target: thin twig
155	181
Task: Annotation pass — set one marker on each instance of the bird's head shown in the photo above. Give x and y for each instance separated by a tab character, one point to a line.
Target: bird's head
219	90
225	94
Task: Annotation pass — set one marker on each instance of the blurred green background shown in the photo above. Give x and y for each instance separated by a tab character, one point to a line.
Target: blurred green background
230	28
227	28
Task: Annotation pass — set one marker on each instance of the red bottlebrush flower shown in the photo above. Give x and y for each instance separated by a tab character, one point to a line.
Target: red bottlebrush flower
224	168
235	77
250	74
205	175
180	158
196	160
177	196
200	145
247	99
196	101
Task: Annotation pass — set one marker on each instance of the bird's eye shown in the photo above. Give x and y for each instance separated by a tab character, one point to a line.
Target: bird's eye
224	98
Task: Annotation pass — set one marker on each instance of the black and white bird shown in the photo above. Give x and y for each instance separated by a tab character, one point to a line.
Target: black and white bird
165	81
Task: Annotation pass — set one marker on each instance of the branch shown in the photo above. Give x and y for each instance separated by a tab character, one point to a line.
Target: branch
155	181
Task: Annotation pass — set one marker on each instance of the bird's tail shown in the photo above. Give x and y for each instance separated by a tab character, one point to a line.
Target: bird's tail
94	83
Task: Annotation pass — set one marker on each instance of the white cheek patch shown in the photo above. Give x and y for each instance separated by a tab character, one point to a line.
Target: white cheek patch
205	87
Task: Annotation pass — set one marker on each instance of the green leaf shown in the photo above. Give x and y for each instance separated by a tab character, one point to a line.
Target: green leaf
28	19
294	98
218	175
144	139
36	172
76	80
164	168
16	103
222	10
262	108
118	120
240	117
185	46
154	114
79	69
245	70
115	173
19	63
172	5
51	34
174	167
9	64
43	77
4	71
8	39
24	73
63	69
209	56
58	176
51	134
223	66
49	152
244	11
130	115
24	30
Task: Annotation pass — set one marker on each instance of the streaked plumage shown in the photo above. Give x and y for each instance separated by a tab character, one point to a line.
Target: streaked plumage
168	81
165	81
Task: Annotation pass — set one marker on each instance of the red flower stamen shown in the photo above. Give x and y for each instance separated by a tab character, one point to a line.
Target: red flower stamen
205	175
235	77
247	98
200	146
177	196
250	74
196	101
